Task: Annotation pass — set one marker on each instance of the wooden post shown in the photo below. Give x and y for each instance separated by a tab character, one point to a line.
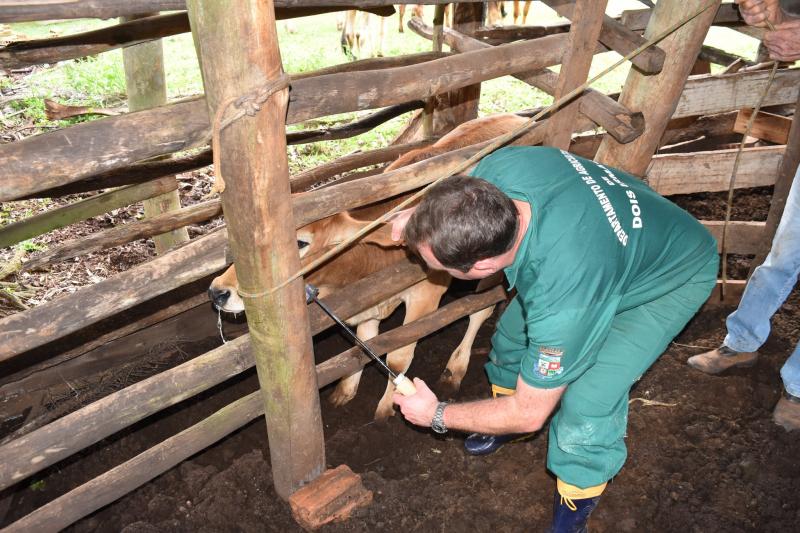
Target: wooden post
462	105
587	19
237	44
657	96
786	173
430	103
146	84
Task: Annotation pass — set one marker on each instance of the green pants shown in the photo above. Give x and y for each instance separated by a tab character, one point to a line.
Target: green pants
586	446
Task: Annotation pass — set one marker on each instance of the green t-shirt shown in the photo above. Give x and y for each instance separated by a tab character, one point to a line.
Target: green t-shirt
600	242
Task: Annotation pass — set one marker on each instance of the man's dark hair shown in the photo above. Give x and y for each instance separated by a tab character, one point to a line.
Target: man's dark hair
463	219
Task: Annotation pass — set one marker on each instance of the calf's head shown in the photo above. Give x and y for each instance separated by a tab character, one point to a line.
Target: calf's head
312	240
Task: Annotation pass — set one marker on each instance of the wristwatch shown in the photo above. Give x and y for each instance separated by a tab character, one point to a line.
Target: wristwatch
437	424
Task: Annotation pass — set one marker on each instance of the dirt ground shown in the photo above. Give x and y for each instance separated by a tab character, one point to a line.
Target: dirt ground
705	457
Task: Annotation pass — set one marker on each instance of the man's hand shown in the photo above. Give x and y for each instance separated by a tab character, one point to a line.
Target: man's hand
418	408
758	12
784	43
399	221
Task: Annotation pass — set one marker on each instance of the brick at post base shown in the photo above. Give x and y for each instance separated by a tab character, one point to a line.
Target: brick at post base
332	497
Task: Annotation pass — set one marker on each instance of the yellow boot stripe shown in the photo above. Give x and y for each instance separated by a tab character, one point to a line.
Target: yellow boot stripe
571	492
497	390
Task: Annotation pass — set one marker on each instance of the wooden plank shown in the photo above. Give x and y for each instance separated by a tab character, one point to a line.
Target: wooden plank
356	127
707	95
258	211
38	51
146	86
125	233
130	175
637	19
617	37
372	63
689	128
721	57
148	170
587	20
83	209
711	171
766	126
495	35
35	451
656	96
303	180
50	160
596	107
30	10
744	237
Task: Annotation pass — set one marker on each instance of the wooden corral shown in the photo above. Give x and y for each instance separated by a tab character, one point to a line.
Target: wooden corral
661	108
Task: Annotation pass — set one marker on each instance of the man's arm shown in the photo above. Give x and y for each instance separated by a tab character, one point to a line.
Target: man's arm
524	412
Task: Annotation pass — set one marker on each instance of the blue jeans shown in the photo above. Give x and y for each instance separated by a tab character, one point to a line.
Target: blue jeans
770	284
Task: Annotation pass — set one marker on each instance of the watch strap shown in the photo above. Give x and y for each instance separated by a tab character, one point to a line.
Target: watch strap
437	424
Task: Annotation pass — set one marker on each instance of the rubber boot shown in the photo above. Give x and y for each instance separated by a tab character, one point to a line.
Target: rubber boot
721	359
569	520
787	412
572	515
481	444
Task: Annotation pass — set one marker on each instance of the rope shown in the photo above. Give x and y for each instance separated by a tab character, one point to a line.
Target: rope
732	182
495	144
248	105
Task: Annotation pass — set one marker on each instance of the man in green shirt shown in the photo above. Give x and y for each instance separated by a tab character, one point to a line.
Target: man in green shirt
606	271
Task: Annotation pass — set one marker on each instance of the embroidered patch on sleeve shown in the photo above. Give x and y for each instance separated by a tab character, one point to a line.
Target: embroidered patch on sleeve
548	365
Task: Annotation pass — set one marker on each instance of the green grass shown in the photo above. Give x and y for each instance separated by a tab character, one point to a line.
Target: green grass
100	80
30	246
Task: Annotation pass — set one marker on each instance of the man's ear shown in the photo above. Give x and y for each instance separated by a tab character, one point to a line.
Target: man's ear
488	266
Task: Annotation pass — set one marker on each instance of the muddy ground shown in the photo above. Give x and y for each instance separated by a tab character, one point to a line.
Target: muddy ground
705	457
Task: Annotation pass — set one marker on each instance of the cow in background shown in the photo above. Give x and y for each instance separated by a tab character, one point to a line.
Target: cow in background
362	35
525	8
416	11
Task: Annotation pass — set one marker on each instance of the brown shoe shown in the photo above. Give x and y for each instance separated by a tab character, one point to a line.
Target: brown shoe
787	412
721	359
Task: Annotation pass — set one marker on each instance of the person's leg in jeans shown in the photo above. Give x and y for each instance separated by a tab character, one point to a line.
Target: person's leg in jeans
767	289
771	282
787	412
749	325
